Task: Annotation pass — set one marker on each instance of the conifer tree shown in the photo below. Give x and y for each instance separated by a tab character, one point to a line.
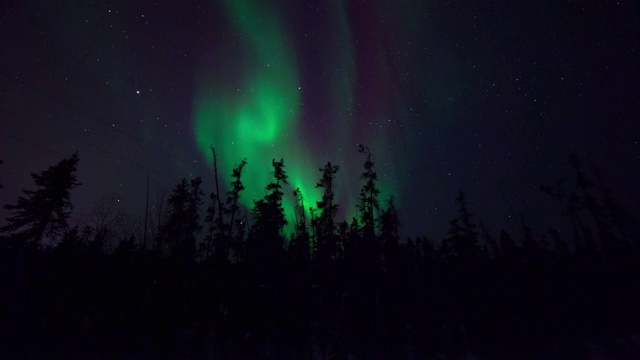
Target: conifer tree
301	217
389	237
326	236
587	200
619	217
209	218
490	245
463	239
217	197
368	195
220	239
182	220
44	212
299	246
233	195
267	232
465	216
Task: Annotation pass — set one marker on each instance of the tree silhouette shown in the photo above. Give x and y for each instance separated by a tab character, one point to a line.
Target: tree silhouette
267	232
326	241
216	197
210	218
606	224
178	230
462	238
364	293
233	195
222	233
299	247
106	220
369	203
617	214
44	212
389	234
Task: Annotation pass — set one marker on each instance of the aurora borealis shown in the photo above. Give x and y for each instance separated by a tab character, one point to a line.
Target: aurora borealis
259	113
257	117
487	97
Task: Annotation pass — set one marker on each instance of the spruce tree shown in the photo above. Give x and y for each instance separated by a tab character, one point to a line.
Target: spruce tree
462	238
369	203
209	218
231	208
44	212
182	220
326	238
389	236
267	232
299	246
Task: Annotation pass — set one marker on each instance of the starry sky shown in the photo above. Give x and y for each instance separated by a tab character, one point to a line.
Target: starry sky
485	96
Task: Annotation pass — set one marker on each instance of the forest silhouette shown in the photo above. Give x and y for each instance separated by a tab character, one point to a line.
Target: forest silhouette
206	279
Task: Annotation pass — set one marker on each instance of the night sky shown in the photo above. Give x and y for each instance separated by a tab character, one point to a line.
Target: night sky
485	96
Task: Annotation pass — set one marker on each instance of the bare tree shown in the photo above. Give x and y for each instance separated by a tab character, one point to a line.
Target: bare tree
156	215
108	221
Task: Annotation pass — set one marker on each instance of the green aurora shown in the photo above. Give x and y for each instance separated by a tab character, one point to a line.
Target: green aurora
258	121
259	116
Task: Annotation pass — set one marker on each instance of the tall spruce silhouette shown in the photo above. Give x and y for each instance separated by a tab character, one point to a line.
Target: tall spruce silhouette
177	235
369	192
267	233
299	247
462	238
389	235
233	226
225	228
326	242
44	212
208	246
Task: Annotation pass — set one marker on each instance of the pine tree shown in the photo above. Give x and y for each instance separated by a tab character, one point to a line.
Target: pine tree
588	201
44	212
267	232
210	218
576	203
182	220
233	195
531	249
301	217
299	246
368	195
216	197
389	237
221	233
618	216
326	236
490	245
463	239
195	201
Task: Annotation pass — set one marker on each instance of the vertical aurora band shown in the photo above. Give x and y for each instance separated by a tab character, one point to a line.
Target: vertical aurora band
250	106
257	116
